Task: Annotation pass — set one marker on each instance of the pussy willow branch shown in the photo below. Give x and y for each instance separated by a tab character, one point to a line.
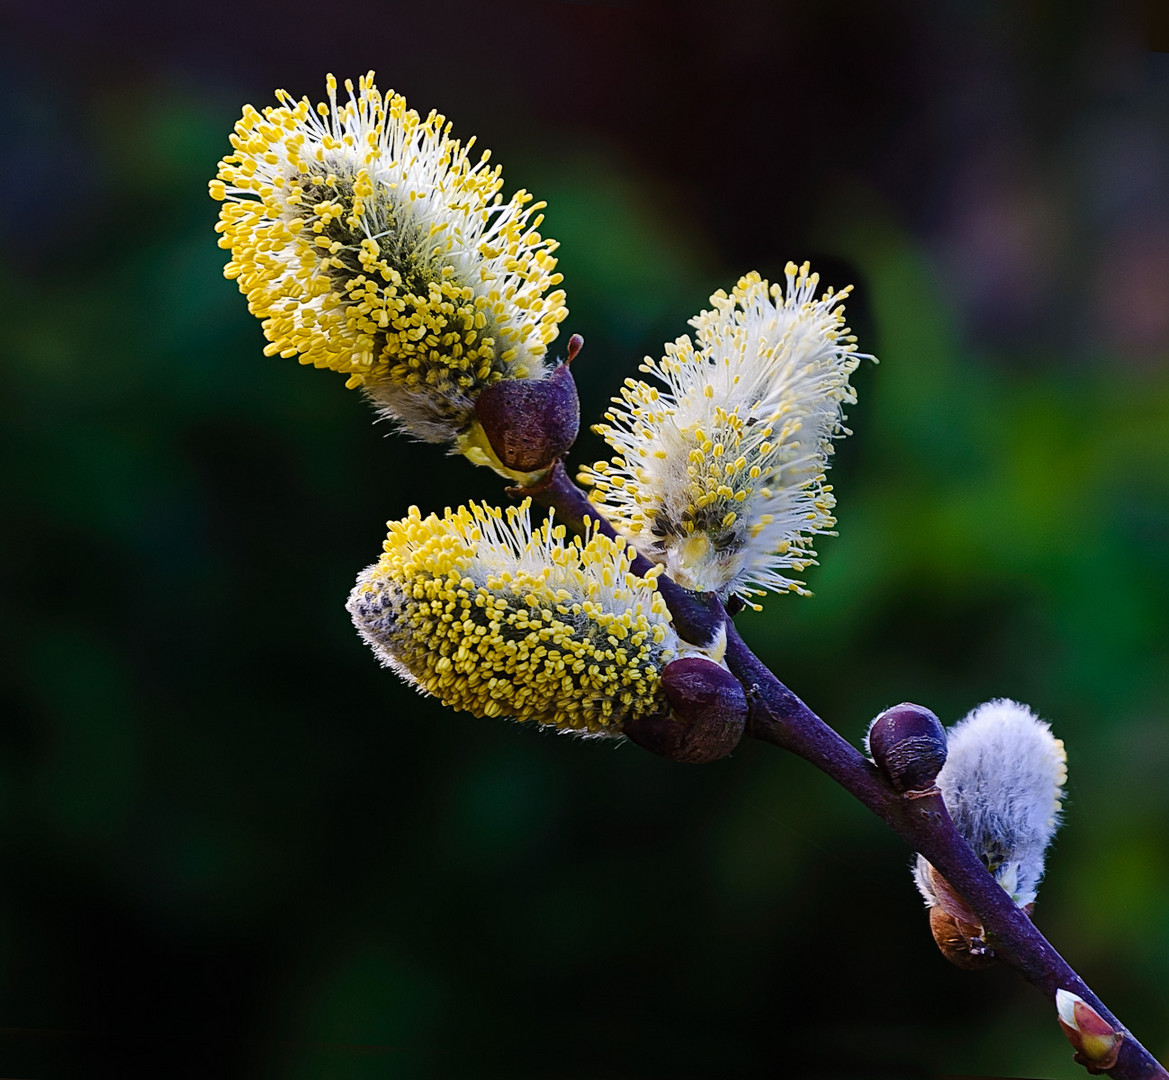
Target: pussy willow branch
779	717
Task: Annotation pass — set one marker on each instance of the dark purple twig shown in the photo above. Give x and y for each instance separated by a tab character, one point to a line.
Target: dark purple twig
778	716
697	616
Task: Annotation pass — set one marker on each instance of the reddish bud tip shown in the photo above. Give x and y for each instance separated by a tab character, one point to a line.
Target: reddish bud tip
908	744
530	423
575	344
707	715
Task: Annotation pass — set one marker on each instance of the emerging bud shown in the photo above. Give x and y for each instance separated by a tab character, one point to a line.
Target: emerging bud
1003	786
1002	783
530	423
1096	1041
706	718
908	745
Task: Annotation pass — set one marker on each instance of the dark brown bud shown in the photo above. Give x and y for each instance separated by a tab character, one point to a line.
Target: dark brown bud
909	746
530	422
707	714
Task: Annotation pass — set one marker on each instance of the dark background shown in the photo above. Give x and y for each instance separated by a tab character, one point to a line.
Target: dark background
233	846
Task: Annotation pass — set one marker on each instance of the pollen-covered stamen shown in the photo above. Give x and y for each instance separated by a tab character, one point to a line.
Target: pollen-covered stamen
368	241
499	619
720	474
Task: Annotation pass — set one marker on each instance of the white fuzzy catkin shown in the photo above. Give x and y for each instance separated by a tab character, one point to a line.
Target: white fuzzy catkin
1003	786
719	474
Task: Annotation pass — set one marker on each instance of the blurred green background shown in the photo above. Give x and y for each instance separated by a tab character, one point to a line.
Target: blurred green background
233	846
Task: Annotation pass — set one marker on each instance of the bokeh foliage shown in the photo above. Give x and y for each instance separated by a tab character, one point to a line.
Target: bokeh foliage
234	843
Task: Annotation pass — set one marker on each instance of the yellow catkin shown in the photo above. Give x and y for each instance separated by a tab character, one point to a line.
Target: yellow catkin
370	242
497	619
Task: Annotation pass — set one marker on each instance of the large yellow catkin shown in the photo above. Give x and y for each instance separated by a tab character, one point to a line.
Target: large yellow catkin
497	619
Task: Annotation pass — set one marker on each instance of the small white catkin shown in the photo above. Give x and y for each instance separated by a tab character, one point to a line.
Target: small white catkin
1003	785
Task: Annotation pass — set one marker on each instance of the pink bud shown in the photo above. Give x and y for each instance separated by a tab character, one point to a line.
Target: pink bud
1096	1041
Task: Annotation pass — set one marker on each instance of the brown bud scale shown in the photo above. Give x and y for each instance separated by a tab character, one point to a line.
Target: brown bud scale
960	942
